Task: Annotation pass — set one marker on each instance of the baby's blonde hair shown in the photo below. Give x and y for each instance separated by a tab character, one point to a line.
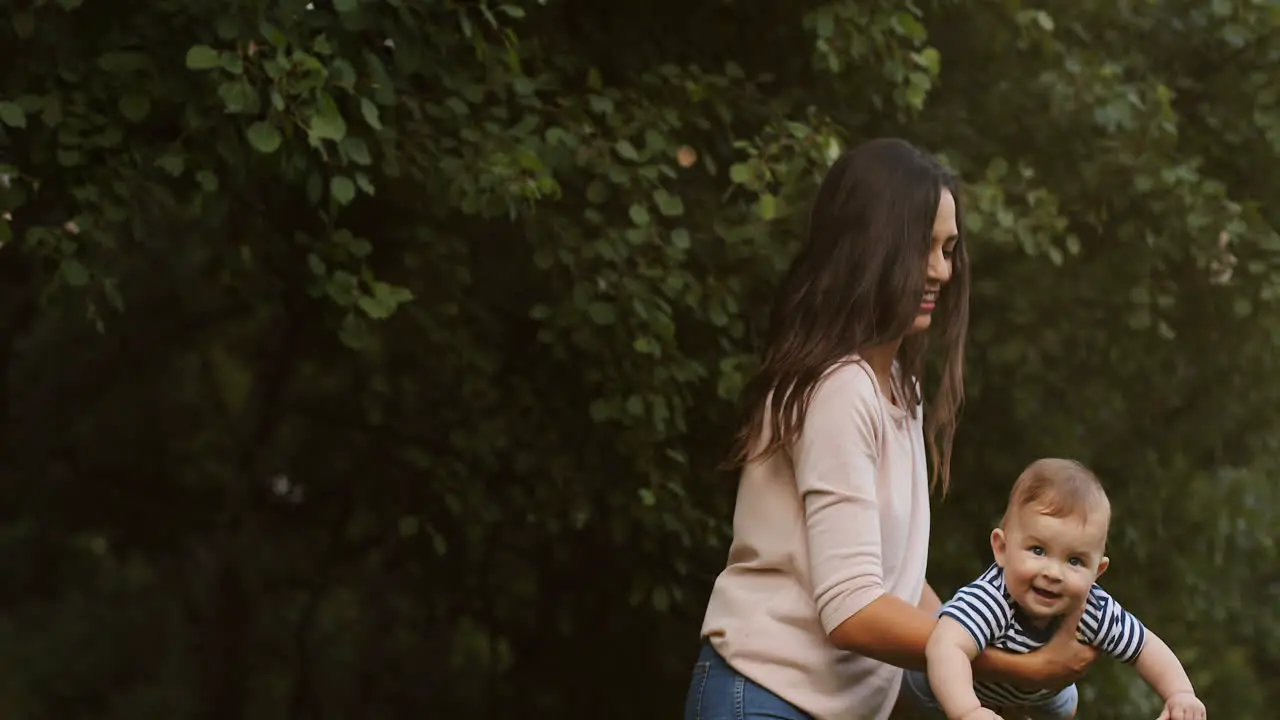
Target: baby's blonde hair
1059	488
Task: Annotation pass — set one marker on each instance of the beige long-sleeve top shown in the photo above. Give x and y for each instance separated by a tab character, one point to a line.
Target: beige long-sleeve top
819	532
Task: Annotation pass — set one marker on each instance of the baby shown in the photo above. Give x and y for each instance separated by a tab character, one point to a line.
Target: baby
1049	550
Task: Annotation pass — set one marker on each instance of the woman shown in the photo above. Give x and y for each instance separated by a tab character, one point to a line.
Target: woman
824	599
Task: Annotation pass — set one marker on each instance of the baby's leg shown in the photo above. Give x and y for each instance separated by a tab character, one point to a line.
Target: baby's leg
916	700
1059	707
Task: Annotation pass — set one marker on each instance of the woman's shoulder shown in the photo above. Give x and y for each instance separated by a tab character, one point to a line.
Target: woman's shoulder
848	389
849	379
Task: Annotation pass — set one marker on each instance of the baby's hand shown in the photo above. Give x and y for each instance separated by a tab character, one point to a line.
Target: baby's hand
980	714
1183	706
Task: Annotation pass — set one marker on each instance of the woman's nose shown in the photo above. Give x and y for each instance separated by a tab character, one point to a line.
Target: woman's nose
939	270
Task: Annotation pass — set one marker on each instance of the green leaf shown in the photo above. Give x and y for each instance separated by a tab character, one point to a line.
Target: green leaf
69	157
207	180
680	238
135	107
172	164
931	60
354	332
767	207
356	149
601	409
342	189
202	57
264	137
600	104
345	6
635	405
328	125
523	86
739	173
602	313
74	273
661	598
239	97
12	115
373	308
626	150
232	63
384	300
639	215
597	192
227	27
668	204
370	113
826	26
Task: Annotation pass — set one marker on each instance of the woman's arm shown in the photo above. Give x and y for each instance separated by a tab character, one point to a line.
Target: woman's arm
929	600
896	633
888	630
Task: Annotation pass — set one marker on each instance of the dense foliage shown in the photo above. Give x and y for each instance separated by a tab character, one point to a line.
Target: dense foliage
373	358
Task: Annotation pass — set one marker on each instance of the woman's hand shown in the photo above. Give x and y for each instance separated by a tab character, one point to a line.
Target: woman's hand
1064	659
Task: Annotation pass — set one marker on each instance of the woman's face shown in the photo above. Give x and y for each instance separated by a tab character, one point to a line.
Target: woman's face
938	271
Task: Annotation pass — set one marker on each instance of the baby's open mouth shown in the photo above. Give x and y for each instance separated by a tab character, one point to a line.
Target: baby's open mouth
1046	594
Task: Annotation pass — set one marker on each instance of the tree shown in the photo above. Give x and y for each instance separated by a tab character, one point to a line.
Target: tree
370	358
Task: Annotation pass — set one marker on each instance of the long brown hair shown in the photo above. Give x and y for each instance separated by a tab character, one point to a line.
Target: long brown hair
856	283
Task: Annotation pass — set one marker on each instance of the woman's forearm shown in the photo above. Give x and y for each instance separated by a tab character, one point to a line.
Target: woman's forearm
888	630
1001	666
929	600
896	633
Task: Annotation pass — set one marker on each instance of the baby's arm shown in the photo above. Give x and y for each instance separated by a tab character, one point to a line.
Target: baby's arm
1115	630
950	655
1162	670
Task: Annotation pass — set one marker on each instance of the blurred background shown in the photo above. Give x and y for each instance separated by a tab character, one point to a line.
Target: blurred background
372	358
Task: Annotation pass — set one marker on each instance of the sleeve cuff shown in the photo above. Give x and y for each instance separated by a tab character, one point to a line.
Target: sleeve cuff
965	623
846	605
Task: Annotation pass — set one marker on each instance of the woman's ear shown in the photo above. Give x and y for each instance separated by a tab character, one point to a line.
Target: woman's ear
999	545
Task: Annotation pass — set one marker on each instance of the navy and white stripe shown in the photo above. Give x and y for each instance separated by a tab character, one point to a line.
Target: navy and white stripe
988	613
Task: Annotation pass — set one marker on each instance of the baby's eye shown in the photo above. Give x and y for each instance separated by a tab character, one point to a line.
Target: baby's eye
1037	550
1076	561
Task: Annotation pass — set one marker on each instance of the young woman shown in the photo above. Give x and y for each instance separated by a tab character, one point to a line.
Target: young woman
823	600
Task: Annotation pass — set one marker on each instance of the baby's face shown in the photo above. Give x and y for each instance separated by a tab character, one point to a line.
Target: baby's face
1050	563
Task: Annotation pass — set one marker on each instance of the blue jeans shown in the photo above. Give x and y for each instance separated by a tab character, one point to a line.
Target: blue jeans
1059	707
718	692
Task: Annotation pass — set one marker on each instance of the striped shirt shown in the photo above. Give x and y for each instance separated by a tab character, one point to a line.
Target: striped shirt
987	611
